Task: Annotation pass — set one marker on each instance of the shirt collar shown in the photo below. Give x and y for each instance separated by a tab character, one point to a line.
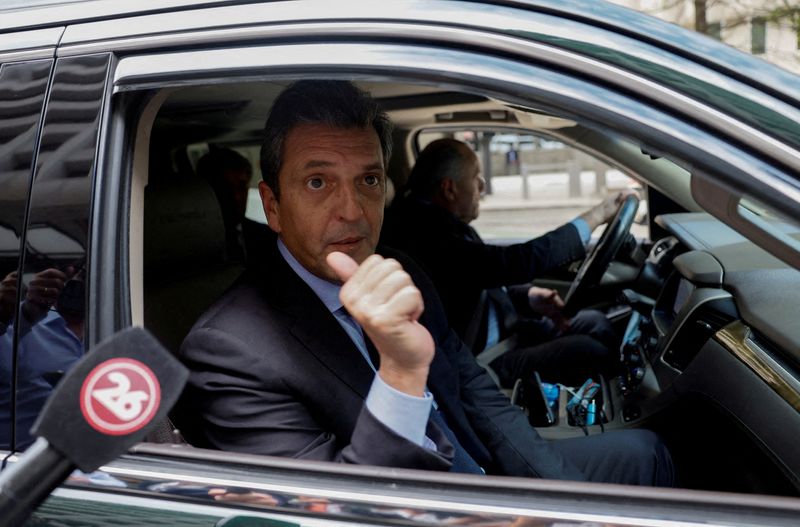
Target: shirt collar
327	291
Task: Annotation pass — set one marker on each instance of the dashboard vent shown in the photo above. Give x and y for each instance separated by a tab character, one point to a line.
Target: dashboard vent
698	327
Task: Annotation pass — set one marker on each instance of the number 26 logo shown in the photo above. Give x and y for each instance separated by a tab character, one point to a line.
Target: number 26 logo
119	396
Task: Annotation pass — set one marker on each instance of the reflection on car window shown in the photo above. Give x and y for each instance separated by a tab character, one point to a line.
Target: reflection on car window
534	184
53	298
22	89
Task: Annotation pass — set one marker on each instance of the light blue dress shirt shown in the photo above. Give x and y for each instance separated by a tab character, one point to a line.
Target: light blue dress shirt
583	230
402	413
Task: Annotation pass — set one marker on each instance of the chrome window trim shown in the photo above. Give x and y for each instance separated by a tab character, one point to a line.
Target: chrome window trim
615	18
388	488
447	12
422	508
77	11
467	37
459	68
156	501
508	19
737	338
30	40
26	55
419	500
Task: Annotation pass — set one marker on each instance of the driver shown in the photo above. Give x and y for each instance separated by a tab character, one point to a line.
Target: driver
431	224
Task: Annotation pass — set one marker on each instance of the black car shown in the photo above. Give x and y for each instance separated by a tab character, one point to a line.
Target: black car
105	108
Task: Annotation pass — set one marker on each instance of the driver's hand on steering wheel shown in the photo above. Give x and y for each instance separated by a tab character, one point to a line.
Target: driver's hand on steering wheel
605	210
548	303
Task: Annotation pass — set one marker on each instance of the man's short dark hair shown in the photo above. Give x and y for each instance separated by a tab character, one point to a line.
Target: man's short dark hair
338	104
439	160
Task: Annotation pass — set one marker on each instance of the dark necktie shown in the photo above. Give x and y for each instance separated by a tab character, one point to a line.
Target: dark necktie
462	461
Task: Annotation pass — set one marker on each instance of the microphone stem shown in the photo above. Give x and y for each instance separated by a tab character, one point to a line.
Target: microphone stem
23	485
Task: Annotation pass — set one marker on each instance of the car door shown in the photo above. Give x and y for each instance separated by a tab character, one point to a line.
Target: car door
150	58
25	69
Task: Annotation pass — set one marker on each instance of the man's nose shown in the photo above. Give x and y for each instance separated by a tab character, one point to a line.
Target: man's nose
349	206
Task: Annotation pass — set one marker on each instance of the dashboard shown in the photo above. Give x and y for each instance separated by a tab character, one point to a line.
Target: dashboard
723	333
718	348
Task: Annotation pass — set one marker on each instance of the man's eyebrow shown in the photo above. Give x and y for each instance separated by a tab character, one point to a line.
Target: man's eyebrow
318	164
373	167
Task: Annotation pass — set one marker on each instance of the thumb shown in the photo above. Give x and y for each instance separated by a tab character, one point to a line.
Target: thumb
342	265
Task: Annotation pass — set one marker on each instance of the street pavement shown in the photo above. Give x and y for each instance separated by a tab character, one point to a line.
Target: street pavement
505	214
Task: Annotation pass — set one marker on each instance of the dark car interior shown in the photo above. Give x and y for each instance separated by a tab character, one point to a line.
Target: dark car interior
705	316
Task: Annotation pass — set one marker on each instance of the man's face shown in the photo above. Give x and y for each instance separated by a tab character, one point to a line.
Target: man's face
332	186
468	189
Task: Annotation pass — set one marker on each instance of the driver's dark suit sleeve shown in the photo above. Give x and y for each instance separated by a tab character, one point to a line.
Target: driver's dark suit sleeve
461	265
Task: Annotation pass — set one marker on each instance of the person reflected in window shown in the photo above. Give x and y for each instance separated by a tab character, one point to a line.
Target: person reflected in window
333	351
431	224
50	340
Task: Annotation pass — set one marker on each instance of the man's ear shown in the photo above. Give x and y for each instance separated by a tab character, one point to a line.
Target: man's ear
271	206
447	189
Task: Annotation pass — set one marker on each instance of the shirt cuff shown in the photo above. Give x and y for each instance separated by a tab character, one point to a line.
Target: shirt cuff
584	231
404	414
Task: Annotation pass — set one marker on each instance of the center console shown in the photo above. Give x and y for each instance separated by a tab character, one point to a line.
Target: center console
661	340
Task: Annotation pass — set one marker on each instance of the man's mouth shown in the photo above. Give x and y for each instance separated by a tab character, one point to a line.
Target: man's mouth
347	242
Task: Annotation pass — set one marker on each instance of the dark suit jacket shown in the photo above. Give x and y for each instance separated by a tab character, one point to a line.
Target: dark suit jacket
461	265
272	372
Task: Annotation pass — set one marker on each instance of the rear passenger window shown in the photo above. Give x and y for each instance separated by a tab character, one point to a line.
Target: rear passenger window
22	90
53	324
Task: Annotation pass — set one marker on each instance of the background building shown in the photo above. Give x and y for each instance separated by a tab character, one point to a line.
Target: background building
767	28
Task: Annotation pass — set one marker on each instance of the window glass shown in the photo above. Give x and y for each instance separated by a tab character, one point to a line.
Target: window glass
22	89
535	184
51	332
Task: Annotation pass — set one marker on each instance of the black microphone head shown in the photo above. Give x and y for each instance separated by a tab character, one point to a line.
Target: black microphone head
110	398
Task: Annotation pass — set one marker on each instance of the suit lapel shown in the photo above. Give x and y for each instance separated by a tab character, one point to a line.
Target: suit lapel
314	327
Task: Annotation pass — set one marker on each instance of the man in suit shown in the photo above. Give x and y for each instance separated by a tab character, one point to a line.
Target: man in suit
430	223
333	352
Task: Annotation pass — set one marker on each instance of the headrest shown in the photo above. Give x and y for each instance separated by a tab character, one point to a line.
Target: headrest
183	225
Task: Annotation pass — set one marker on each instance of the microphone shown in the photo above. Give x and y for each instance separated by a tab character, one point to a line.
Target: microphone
104	405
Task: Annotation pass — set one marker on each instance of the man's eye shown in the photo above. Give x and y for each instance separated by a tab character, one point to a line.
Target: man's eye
371	180
315	183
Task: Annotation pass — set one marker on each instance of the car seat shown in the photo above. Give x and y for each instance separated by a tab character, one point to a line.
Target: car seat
185	265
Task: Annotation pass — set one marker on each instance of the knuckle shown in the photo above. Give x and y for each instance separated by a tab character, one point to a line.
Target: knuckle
376	258
391	262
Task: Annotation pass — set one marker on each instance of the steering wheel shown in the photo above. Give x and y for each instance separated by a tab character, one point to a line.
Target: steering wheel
596	263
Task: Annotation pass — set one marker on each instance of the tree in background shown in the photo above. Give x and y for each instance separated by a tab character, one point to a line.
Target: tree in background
742	23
